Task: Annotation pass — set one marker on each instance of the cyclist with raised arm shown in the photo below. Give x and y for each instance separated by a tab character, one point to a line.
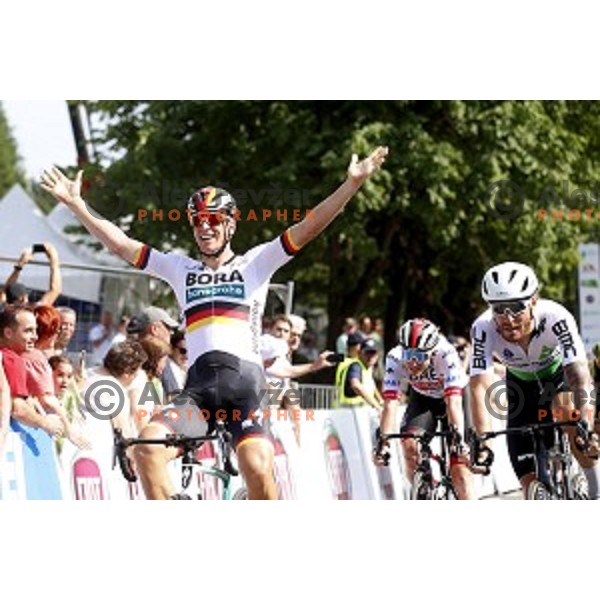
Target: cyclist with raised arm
222	296
426	368
538	342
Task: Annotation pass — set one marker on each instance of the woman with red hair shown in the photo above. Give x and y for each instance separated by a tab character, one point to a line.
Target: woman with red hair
48	327
39	373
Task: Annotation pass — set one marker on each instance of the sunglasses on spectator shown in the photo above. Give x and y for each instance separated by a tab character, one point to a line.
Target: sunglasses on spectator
182	350
514	308
409	354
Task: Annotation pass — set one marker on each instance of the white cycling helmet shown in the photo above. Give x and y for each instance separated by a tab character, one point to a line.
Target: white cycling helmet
509	281
419	334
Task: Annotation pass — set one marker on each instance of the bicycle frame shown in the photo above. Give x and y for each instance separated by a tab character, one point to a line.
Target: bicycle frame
559	460
426	455
189	462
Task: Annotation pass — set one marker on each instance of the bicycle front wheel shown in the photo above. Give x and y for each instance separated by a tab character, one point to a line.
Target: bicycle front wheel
538	491
422	487
579	485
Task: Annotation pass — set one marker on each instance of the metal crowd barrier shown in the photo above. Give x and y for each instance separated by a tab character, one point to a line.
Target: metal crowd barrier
321	397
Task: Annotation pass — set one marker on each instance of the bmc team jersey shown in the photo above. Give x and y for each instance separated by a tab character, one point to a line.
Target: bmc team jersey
444	375
222	308
555	341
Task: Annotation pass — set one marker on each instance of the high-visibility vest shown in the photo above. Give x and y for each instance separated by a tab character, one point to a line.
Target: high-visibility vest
340	380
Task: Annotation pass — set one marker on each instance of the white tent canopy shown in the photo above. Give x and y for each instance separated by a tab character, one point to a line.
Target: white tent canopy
22	223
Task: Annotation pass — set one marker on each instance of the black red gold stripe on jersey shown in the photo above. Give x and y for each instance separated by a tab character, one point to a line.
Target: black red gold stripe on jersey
142	256
209	313
288	244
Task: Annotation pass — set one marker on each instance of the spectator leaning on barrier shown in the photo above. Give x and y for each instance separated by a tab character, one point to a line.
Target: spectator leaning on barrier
65	389
39	373
17	293
17	335
121	365
356	384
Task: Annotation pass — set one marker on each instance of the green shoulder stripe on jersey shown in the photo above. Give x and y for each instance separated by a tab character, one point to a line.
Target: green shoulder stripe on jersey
532	376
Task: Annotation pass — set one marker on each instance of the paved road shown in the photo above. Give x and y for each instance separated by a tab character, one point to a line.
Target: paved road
516	495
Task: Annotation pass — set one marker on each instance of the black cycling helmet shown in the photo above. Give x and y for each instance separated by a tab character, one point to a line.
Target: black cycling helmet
211	199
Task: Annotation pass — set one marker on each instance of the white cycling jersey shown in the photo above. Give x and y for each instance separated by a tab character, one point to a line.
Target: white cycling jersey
444	375
555	341
222	308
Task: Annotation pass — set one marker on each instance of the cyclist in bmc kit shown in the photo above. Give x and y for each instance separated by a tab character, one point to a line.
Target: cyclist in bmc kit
222	297
427	368
538	342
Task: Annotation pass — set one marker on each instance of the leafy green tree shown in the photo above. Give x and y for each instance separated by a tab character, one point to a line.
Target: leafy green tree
10	172
419	235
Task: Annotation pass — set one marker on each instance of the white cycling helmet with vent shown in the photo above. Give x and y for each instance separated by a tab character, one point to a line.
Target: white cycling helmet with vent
509	281
419	334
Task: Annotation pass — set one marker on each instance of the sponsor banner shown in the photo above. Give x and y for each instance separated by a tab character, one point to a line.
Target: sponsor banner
287	464
589	294
319	464
391	481
29	466
12	470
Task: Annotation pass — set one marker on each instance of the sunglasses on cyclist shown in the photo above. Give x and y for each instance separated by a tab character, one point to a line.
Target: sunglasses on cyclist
409	354
513	309
211	218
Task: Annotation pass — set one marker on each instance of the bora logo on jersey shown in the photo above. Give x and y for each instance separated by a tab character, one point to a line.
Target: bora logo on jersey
207	285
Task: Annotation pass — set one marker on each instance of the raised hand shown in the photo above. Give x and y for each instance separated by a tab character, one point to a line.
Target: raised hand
61	187
359	171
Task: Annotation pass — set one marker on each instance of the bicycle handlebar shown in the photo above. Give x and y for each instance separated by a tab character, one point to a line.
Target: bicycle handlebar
187	444
526	429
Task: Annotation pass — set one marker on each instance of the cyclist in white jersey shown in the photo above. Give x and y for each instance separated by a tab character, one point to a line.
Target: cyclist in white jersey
222	296
426	367
538	342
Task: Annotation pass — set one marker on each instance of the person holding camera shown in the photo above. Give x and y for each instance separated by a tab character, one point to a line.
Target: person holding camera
17	293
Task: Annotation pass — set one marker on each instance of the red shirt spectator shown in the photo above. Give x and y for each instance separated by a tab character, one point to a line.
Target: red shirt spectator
16	373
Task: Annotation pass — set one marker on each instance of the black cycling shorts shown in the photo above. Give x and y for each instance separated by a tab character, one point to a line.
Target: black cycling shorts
530	402
422	412
219	387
